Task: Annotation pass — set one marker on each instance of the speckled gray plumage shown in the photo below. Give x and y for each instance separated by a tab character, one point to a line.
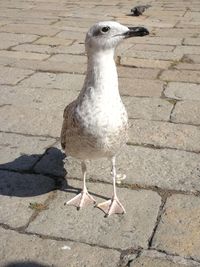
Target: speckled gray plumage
95	124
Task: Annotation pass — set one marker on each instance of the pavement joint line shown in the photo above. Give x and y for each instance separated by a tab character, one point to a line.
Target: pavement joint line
124	257
23	79
170	256
160	191
30	135
174	122
159	216
175	254
135	187
157	147
20	230
172	110
165	84
52	195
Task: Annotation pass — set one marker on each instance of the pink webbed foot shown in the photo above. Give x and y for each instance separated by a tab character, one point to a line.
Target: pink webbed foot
81	200
111	206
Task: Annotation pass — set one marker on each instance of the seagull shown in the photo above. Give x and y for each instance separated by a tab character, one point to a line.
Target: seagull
95	124
138	10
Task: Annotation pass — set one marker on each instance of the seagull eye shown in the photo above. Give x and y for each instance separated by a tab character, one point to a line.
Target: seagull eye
105	29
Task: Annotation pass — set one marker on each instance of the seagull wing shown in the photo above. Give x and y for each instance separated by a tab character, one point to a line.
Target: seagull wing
68	122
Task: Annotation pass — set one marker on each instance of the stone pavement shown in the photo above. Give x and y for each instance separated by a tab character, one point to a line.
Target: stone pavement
42	66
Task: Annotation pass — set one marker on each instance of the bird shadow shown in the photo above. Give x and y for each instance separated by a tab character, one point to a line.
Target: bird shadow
37	174
25	264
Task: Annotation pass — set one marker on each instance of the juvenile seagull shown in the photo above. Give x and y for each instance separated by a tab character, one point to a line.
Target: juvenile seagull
95	124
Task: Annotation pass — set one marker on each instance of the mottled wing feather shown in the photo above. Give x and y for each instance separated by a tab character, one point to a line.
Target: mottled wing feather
68	122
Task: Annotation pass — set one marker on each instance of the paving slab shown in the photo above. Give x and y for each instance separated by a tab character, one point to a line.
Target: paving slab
52	80
152	262
31	29
30	250
190	76
132	229
46	66
178	230
152	108
20	152
17	191
153	258
157	40
42	122
52	41
12	75
183	91
186	112
41	99
164	135
140	73
140	87
158	55
145	63
11	39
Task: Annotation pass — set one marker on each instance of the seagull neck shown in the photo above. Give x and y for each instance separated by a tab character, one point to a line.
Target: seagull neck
101	71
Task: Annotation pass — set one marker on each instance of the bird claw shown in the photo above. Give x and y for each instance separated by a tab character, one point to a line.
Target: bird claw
112	206
81	200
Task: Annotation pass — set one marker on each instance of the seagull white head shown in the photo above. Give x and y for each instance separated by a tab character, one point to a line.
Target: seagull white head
108	34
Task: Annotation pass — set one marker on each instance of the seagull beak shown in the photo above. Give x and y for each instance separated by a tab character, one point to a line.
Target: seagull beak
136	31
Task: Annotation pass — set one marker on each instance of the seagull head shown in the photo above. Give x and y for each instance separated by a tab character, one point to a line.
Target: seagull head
108	34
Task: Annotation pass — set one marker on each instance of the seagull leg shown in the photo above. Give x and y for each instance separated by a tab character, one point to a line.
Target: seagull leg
84	198
112	205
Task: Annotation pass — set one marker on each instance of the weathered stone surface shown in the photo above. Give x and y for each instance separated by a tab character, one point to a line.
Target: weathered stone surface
34	251
157	40
10	39
181	75
186	112
183	91
153	258
51	80
46	66
153	108
145	63
75	59
29	120
178	230
53	41
191	58
139	73
23	55
187	66
41	99
12	75
31	29
140	87
20	152
164	134
154	262
156	55
17	191
192	41
132	229
70	34
153	47
187	49
178	33
46	49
